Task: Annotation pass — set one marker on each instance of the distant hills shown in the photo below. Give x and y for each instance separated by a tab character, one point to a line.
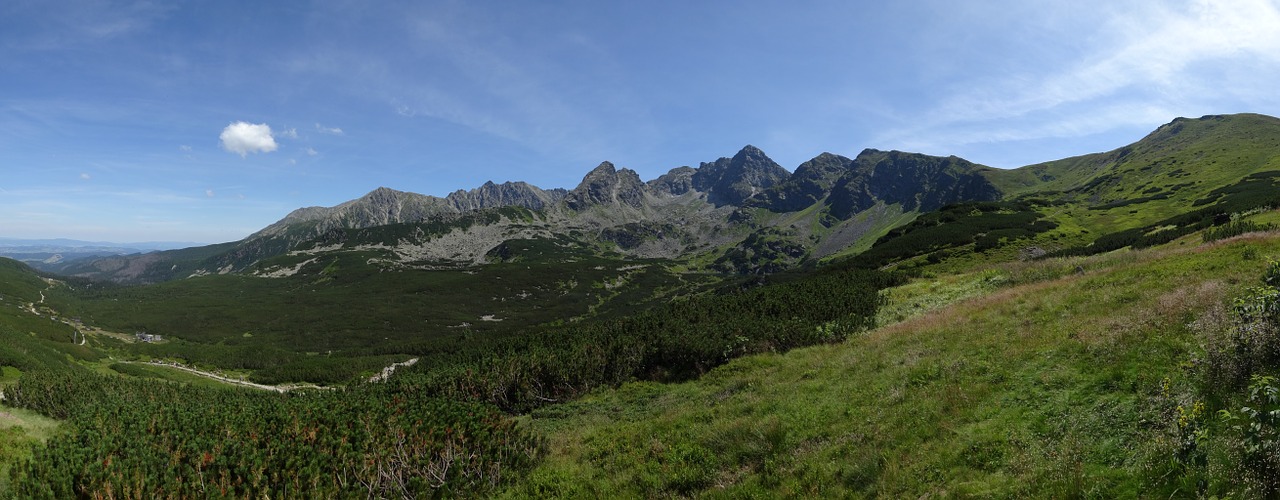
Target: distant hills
746	206
51	254
63	243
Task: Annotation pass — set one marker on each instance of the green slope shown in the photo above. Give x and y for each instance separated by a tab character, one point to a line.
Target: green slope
1062	378
342	312
1158	177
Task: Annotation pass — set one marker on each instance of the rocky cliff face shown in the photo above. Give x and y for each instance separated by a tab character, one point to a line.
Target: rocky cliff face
606	185
916	181
674	183
379	207
730	181
507	194
384	206
811	182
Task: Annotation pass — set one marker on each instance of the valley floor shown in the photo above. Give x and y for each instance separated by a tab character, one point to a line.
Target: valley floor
1065	377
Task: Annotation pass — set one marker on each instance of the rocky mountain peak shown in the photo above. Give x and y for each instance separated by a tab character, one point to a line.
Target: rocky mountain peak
490	195
823	166
386	206
730	181
811	182
606	185
382	194
751	153
676	182
914	181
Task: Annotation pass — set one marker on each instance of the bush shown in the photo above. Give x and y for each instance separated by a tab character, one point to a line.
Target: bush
1272	275
1256	430
1234	228
1238	347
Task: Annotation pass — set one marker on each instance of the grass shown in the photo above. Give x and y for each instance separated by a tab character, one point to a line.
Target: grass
19	430
175	375
1170	169
929	294
1061	382
36	427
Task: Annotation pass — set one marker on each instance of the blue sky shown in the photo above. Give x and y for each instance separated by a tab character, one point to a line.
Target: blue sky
205	121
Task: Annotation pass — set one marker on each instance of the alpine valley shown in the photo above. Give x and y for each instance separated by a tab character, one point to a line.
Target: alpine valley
889	325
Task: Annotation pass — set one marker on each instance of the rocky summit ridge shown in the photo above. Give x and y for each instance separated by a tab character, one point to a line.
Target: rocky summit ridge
745	206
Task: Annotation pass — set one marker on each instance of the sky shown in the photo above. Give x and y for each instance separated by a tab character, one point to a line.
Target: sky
204	121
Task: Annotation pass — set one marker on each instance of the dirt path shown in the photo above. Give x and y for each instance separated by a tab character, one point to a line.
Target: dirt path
228	380
386	372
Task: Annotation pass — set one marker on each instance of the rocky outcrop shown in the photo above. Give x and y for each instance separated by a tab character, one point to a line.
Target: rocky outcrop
606	185
674	183
811	182
730	181
379	207
915	181
507	194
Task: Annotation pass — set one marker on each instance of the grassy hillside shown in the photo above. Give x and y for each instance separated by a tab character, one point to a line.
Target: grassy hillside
427	432
1155	178
1138	361
1065	377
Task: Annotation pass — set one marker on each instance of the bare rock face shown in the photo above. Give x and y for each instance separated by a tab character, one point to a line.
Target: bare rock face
730	181
811	182
384	206
674	183
916	181
606	185
507	194
379	207
913	181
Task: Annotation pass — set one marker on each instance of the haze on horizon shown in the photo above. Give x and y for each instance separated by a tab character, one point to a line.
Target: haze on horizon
206	121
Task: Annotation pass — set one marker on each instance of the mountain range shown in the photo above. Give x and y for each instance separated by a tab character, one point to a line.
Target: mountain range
892	324
745	206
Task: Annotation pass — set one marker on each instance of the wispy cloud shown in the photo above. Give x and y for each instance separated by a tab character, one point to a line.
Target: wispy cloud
455	67
327	130
1155	60
82	22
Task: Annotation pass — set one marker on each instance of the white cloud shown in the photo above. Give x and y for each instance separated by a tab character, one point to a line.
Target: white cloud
184	148
1160	56
328	130
290	133
243	138
84	176
1144	66
311	152
208	193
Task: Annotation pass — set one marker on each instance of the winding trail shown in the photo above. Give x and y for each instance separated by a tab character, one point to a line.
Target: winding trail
228	380
386	372
81	330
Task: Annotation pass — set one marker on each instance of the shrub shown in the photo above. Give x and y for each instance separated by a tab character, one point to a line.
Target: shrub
1234	228
1256	430
1237	347
1272	275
